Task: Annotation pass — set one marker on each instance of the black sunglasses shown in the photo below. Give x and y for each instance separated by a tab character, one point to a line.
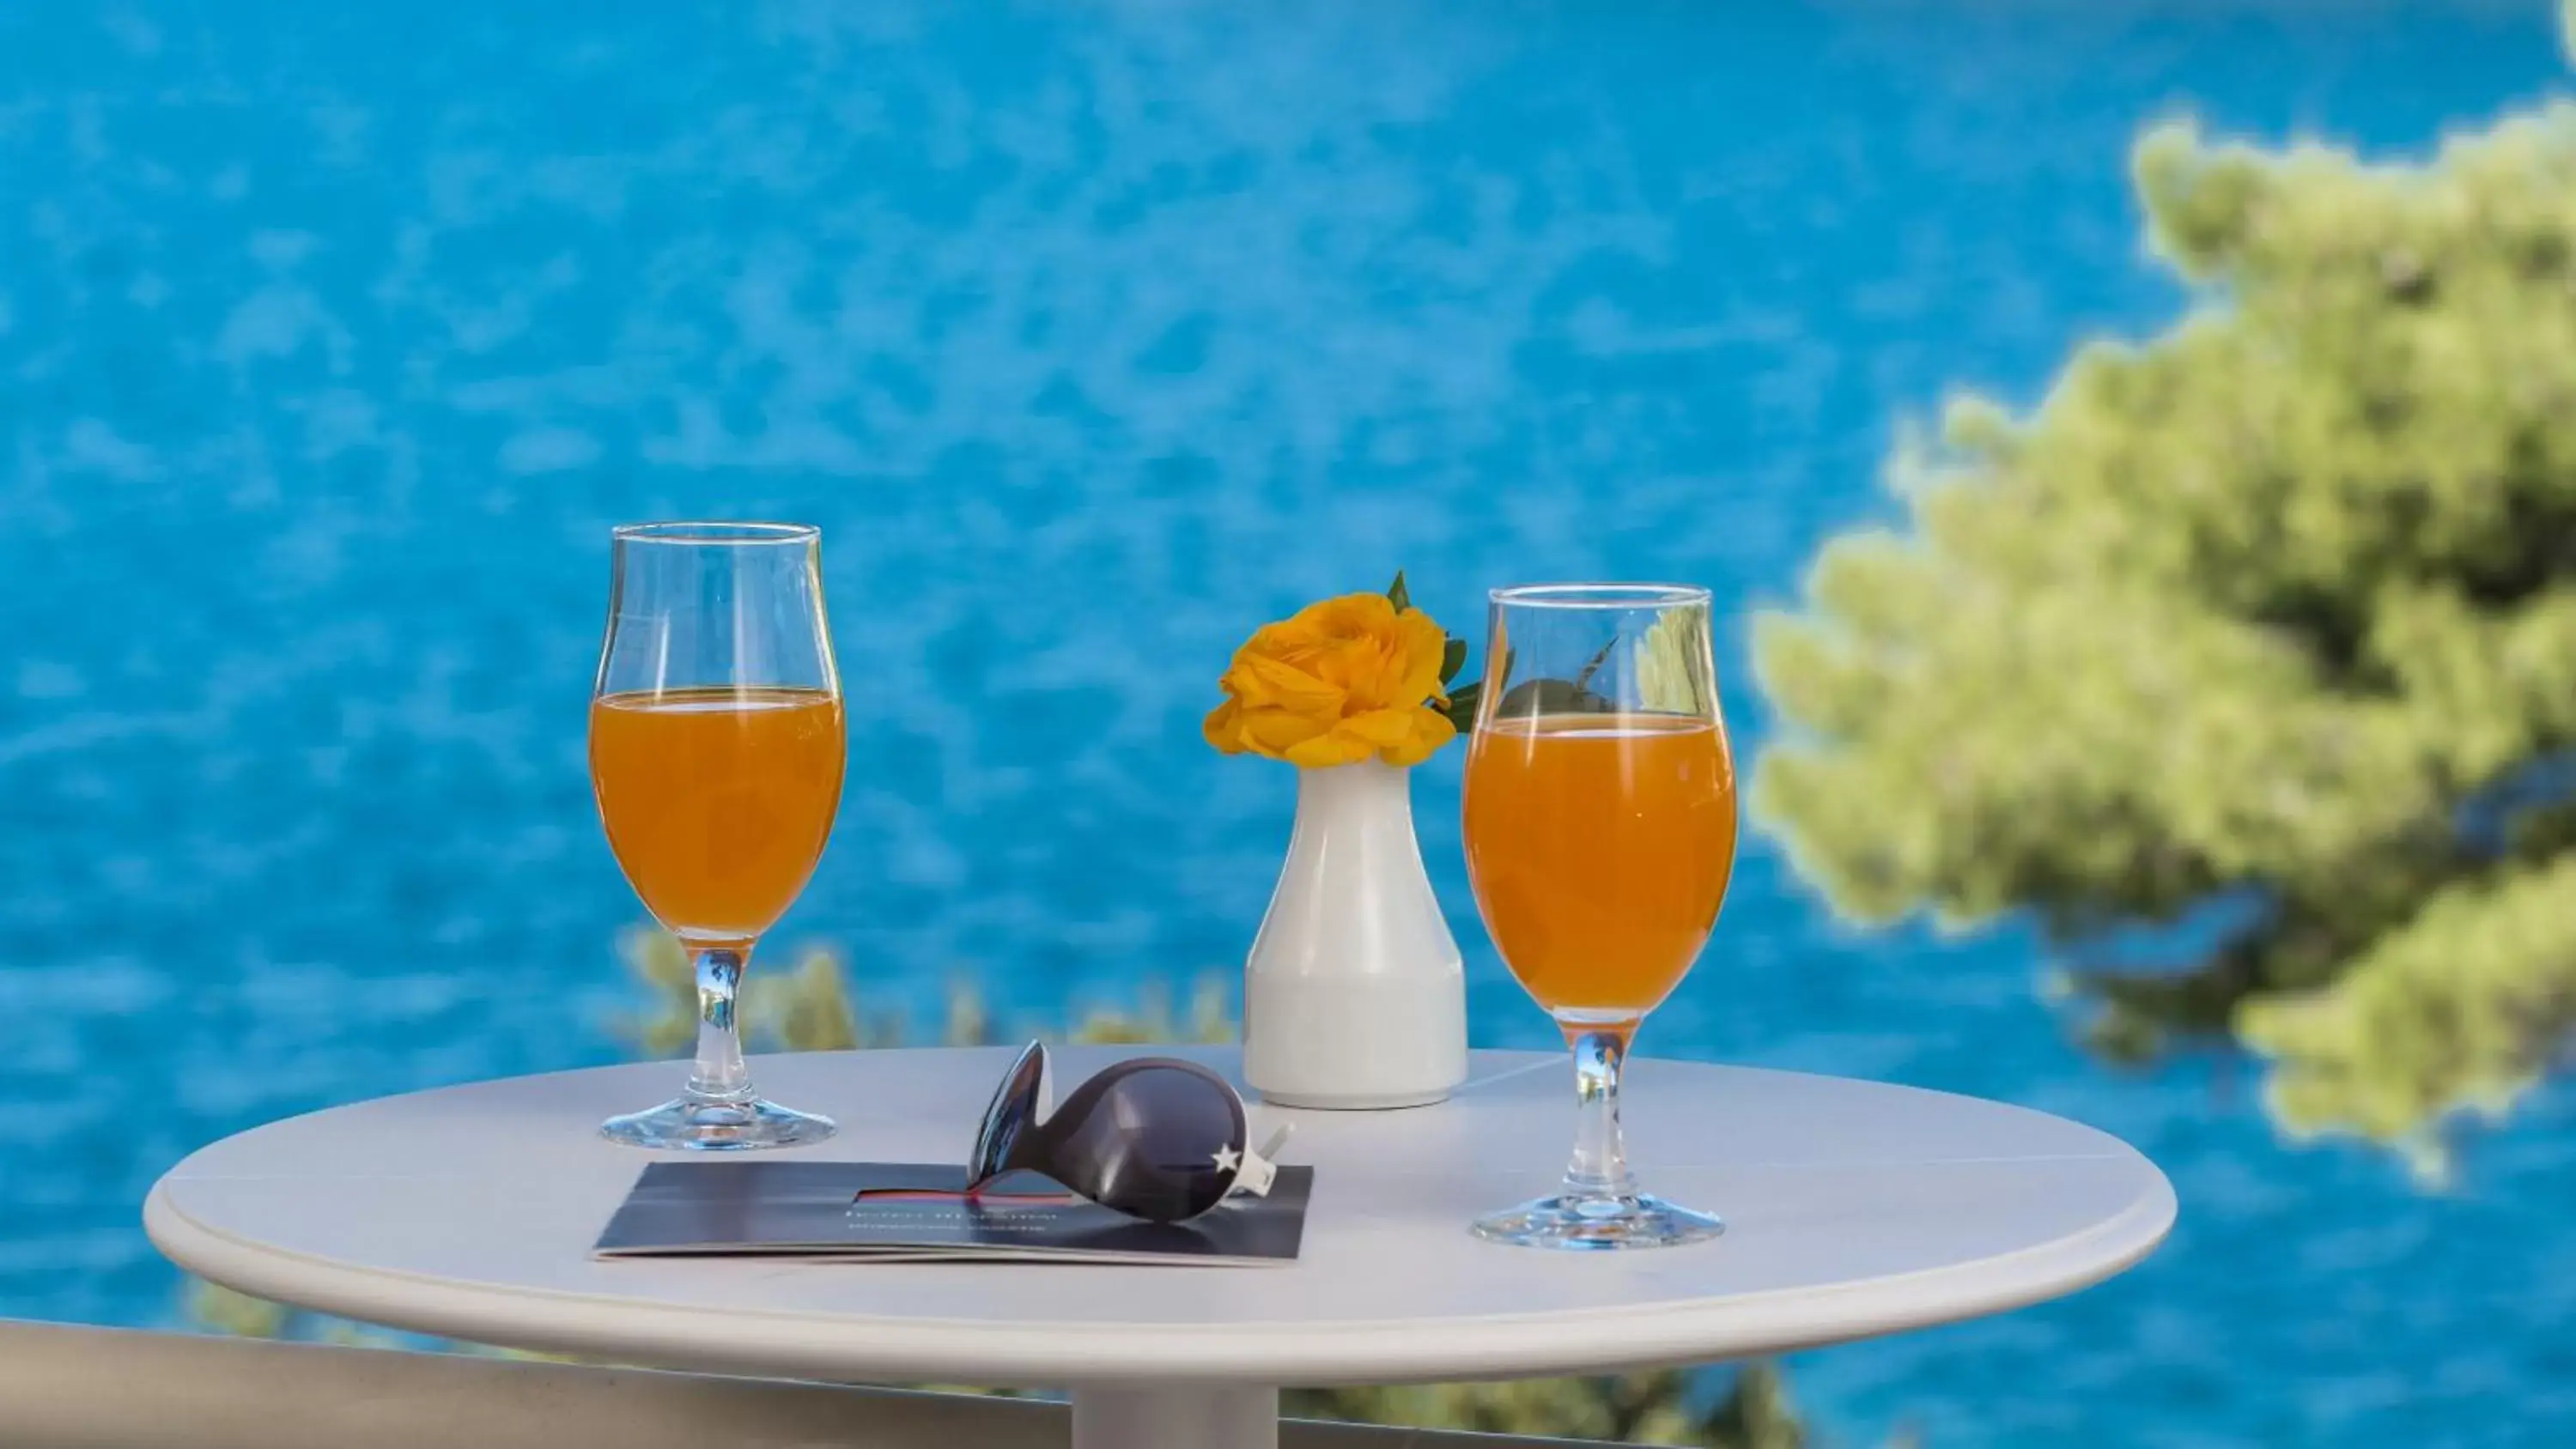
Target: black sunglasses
1151	1137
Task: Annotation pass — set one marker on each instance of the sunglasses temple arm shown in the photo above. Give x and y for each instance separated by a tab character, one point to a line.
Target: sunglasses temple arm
1270	1150
1261	1165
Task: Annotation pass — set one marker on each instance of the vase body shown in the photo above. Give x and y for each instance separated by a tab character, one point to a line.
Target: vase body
1354	996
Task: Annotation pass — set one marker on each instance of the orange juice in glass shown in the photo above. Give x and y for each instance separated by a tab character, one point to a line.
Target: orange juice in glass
1600	846
717	801
716	752
1600	833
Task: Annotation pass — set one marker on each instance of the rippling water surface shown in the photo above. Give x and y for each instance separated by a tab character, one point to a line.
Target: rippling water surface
331	343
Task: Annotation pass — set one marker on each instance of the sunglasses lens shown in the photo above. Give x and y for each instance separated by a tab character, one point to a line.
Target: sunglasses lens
1157	1140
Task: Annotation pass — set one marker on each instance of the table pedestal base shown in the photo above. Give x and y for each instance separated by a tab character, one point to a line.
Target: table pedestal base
1195	1418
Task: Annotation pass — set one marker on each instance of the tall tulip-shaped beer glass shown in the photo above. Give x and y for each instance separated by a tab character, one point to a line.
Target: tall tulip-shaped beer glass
716	751
1600	832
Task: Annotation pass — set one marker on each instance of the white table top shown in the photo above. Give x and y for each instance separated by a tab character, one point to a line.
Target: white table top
1852	1209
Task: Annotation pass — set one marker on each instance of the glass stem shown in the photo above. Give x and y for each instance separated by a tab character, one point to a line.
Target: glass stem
1600	1165
720	1075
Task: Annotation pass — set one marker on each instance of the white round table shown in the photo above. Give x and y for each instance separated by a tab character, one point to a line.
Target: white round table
1852	1209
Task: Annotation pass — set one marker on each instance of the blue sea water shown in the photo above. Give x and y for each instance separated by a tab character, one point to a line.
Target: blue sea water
332	339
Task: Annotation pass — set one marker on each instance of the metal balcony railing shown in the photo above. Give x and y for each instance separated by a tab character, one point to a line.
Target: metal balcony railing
99	1388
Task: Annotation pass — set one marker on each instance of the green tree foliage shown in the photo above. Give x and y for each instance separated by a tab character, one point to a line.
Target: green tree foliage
1650	1408
2265	625
812	1008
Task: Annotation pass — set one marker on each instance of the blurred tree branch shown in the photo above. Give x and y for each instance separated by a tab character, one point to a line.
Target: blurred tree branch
2276	609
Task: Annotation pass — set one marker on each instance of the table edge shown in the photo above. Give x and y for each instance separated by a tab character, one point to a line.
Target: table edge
843	1347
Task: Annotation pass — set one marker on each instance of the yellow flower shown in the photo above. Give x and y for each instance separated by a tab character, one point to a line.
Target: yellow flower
1345	679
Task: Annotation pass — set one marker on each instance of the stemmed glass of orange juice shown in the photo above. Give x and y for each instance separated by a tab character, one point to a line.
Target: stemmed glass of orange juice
716	751
1600	832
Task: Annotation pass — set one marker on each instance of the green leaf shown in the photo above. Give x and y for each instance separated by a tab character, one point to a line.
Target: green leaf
1396	594
1462	706
1453	657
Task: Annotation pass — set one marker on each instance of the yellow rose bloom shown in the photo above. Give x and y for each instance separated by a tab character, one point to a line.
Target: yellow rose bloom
1345	679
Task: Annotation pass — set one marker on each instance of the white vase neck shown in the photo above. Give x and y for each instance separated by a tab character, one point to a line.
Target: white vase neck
1368	783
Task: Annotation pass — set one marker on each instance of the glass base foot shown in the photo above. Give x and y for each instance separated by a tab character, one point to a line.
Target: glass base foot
1595	1224
696	1124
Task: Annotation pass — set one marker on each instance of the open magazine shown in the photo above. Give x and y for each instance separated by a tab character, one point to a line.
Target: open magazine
918	1212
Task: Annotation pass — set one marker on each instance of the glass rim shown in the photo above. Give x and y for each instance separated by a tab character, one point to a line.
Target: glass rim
713	532
1598	596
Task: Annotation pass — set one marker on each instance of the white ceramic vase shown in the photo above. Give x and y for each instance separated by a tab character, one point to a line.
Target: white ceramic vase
1354	996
